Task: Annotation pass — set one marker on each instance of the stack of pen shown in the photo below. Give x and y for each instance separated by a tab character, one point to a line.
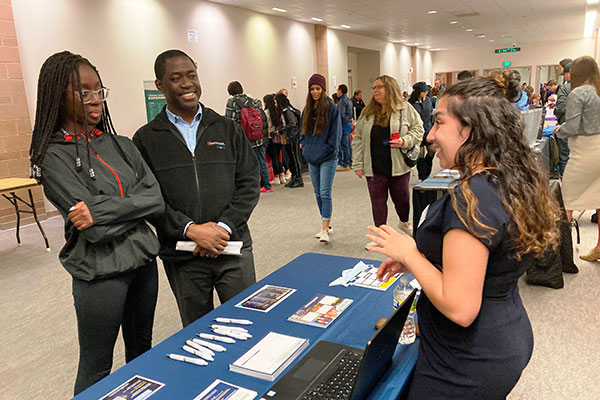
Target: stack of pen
204	350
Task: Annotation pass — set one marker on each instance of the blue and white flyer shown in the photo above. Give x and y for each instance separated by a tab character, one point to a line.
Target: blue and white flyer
136	388
219	390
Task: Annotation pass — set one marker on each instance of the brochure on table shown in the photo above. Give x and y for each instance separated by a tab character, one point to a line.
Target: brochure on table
265	298
363	275
321	310
220	390
136	388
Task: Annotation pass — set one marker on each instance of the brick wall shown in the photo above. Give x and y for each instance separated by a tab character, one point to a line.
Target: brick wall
15	126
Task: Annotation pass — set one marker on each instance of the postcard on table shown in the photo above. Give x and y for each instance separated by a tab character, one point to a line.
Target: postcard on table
265	298
367	278
321	310
136	388
220	390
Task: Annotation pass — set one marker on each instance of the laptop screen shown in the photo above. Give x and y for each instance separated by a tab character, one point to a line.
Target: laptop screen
380	350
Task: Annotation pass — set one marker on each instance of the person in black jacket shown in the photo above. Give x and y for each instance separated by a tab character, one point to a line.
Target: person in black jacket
290	128
104	190
209	179
422	103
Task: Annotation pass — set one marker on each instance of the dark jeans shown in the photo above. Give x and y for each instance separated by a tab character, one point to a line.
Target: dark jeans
563	154
292	149
262	162
424	166
397	186
194	280
274	150
345	157
102	306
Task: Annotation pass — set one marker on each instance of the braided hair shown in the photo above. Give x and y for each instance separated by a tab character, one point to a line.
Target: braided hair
56	73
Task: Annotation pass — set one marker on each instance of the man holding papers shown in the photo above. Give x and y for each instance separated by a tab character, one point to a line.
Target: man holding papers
208	176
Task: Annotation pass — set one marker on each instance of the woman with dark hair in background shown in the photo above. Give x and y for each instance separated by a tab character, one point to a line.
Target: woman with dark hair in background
276	140
387	126
581	180
290	128
321	136
104	190
419	100
473	245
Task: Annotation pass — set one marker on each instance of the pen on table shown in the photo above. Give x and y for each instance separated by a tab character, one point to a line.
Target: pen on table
212	346
233	334
217	338
200	354
234	321
191	360
199	347
229	328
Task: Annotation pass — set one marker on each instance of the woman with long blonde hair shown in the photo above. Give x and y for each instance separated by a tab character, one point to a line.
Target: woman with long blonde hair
387	127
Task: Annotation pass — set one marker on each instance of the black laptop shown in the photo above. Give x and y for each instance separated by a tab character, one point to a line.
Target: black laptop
334	371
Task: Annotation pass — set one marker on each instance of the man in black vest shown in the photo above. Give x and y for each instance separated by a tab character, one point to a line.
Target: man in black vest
209	179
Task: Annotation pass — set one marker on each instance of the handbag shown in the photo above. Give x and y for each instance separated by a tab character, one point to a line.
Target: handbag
410	155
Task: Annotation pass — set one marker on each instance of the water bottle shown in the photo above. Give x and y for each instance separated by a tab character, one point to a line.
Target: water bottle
401	292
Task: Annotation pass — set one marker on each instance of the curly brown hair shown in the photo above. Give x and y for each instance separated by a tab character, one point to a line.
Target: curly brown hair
497	145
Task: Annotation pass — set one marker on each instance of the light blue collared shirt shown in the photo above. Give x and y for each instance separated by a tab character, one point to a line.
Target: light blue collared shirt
188	131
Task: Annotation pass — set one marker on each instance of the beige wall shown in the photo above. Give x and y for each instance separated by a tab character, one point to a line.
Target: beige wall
123	37
530	56
394	59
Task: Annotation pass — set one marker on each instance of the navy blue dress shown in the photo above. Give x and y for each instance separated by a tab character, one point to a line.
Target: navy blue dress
486	359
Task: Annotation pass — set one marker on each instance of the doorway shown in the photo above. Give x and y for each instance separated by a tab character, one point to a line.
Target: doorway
363	68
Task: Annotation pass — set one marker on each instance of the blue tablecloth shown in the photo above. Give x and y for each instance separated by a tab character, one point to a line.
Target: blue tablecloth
310	274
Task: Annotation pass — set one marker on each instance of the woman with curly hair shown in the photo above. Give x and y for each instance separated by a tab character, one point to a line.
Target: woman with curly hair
473	245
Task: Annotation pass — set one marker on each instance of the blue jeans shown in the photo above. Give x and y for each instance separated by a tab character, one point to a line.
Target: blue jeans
563	154
345	157
262	162
322	181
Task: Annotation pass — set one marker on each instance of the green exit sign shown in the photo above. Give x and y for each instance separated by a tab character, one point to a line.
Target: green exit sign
507	50
506	64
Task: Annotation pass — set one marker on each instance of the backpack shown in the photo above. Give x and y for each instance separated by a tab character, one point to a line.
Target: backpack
251	122
296	113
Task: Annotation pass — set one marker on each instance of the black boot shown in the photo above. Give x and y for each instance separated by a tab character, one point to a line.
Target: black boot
296	183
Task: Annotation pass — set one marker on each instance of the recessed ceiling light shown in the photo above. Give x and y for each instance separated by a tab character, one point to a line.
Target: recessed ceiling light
469	30
345	26
403	41
427	47
317	19
435	49
432	12
491	40
590	2
278	9
454	22
416	44
481	36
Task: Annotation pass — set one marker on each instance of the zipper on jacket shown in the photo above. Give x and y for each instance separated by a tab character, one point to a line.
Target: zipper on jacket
111	170
196	176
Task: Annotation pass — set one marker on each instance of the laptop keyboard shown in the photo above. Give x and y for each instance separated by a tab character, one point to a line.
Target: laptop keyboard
340	383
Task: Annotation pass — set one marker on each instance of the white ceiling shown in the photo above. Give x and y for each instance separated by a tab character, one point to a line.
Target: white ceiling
504	21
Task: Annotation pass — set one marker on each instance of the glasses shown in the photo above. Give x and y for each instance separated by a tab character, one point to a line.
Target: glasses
377	87
88	95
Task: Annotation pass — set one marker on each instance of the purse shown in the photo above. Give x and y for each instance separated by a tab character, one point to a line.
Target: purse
410	155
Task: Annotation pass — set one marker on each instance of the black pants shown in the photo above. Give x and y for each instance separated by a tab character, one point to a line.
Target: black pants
102	306
194	280
274	150
293	151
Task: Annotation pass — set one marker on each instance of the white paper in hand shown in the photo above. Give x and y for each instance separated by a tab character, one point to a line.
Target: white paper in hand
233	248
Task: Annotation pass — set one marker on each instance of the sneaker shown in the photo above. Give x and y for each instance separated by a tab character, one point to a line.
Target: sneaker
370	244
275	181
593	255
329	231
324	237
264	190
288	175
405	227
295	184
343	168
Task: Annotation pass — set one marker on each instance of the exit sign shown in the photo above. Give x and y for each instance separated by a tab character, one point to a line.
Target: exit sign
506	64
508	50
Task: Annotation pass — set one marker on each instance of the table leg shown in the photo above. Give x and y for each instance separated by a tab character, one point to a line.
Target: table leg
16	204
37	221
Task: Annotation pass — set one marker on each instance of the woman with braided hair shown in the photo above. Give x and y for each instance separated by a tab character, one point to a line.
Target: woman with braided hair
105	193
473	245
